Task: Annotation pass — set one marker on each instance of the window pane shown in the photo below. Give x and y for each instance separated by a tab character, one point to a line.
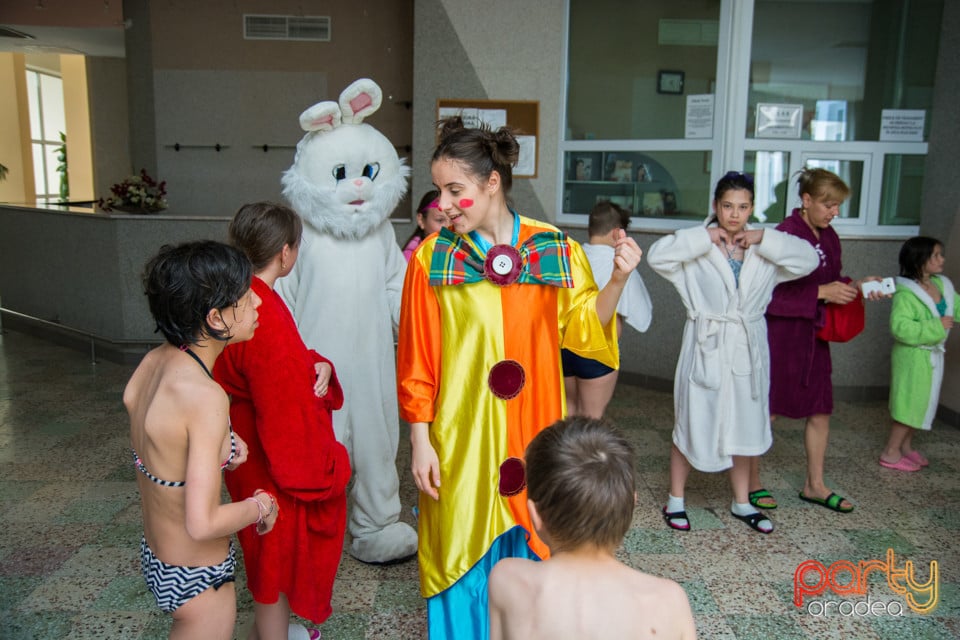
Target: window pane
673	184
851	172
39	174
771	183
902	188
617	50
53	176
51	95
33	99
866	57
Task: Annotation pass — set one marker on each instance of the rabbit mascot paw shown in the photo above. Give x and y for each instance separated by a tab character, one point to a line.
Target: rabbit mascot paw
344	292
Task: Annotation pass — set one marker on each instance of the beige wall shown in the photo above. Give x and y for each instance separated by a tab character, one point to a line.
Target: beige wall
14	131
941	211
73	70
243	94
497	50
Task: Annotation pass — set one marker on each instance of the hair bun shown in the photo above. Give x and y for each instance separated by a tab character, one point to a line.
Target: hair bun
450	126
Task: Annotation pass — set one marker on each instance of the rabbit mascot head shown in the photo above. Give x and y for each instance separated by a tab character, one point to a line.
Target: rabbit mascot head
346	177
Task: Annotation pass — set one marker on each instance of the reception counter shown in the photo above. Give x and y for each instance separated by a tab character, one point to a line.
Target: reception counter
74	275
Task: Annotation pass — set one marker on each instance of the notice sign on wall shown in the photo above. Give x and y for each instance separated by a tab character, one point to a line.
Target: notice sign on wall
699	122
779	120
902	125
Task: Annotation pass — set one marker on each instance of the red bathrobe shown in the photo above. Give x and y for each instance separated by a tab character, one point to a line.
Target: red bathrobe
293	454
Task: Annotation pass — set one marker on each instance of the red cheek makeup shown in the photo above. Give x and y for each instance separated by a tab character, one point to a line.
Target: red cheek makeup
465	203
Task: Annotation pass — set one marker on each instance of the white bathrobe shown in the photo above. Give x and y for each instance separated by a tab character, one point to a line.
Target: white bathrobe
722	381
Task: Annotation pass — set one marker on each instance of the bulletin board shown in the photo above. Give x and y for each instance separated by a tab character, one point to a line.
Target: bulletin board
522	115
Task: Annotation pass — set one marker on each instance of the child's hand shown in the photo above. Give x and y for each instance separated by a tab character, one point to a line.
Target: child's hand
626	254
747	238
269	509
324	371
947	322
873	295
241	453
717	235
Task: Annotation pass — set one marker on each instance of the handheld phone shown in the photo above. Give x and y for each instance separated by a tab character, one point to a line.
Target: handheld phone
885	287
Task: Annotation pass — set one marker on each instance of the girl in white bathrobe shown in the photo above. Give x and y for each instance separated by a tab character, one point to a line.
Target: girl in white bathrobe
725	272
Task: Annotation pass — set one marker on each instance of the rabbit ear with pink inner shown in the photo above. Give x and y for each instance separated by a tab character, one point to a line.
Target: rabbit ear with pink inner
361	99
323	116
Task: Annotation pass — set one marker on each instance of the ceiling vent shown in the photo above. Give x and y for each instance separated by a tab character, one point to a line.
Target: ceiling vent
261	27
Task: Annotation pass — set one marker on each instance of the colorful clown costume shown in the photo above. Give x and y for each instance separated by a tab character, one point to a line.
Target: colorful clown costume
481	330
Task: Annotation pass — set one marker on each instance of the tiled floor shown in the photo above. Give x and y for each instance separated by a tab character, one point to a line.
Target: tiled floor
70	522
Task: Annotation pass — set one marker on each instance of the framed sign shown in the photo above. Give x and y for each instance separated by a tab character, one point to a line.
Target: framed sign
670	82
779	120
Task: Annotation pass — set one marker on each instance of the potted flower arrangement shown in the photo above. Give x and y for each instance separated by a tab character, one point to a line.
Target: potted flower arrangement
136	194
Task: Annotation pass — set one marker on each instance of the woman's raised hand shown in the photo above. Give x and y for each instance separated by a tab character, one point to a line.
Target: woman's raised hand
837	292
626	254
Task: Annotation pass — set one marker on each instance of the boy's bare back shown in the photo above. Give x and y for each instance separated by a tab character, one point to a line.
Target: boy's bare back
584	595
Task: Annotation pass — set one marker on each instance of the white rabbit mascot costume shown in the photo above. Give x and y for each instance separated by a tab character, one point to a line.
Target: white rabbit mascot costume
344	292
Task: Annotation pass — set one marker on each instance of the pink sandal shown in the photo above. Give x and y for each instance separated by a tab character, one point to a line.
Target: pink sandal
917	457
903	464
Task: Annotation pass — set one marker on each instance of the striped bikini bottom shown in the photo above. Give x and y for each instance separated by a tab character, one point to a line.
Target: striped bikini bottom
173	586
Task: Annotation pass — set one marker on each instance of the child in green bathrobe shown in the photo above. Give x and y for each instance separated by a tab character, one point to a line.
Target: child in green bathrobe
924	309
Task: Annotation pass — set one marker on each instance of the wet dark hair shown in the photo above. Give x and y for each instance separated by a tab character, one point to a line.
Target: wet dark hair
184	282
733	180
482	151
914	254
605	217
425	201
821	184
261	229
581	478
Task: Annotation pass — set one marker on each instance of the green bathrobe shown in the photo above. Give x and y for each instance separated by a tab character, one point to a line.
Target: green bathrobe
916	361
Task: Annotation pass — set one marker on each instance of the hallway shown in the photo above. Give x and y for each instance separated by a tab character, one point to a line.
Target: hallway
69	542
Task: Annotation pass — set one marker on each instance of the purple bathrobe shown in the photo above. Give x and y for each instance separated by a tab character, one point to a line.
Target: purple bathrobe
800	365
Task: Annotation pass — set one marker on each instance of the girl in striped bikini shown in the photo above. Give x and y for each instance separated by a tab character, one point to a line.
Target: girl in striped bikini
200	297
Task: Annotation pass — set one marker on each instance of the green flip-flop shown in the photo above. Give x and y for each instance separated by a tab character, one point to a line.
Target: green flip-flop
762	499
832	502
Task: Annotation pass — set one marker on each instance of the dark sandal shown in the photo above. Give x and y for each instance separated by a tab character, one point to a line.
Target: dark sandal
669	518
761	499
832	502
754	520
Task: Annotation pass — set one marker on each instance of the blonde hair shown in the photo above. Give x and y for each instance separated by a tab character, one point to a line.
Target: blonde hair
821	184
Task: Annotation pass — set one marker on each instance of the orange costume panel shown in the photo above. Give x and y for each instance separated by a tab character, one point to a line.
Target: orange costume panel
454	340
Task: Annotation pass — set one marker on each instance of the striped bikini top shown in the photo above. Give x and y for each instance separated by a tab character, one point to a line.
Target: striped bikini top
138	463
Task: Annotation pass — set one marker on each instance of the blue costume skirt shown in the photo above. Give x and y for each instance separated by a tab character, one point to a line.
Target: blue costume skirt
460	611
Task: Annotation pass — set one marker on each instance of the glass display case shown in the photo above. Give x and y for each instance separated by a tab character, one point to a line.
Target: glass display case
635	181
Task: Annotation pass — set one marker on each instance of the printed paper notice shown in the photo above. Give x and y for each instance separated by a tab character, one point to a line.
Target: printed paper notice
902	125
779	120
699	116
527	163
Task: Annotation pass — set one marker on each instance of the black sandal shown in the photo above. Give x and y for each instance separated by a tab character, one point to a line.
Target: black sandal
670	516
754	520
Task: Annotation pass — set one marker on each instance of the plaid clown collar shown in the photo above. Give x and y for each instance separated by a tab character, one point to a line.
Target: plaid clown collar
543	258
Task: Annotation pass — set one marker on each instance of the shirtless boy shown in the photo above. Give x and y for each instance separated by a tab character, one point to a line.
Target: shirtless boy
581	495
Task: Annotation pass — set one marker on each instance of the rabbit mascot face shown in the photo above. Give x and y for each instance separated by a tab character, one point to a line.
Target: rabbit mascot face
344	292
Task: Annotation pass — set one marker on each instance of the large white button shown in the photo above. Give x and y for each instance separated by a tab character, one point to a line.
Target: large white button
502	265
